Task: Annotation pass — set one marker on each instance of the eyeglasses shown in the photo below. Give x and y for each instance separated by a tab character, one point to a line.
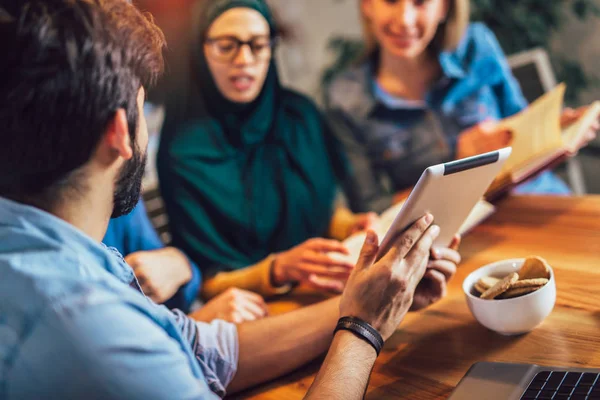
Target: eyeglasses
227	48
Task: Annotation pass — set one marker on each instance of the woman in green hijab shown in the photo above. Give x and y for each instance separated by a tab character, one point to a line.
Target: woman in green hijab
248	169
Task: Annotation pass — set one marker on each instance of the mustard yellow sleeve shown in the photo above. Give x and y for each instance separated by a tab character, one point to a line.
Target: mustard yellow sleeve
341	223
256	278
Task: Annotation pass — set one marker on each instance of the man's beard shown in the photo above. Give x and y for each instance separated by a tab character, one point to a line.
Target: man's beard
129	184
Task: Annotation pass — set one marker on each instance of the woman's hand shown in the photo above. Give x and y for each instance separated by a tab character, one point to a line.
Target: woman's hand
309	263
570	116
482	138
234	305
160	272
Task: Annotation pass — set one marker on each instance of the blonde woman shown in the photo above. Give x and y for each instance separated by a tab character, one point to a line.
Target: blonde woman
428	91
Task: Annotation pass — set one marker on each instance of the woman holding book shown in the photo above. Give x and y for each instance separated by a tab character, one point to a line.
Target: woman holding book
248	169
428	91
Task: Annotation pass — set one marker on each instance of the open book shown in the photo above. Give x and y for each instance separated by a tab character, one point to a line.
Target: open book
354	243
538	141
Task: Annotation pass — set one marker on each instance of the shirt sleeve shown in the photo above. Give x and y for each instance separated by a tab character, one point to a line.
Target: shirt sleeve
255	278
113	349
215	346
361	186
341	223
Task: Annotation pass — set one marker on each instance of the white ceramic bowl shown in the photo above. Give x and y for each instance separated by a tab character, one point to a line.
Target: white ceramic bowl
510	316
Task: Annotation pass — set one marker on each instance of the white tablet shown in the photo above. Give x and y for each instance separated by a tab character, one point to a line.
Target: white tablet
449	192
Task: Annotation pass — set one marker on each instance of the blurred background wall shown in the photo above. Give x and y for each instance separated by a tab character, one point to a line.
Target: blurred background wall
569	30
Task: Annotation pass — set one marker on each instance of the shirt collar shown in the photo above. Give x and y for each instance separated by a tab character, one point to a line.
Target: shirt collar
39	223
451	65
393	102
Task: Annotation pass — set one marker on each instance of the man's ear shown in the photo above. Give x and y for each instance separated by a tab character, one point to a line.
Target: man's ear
116	136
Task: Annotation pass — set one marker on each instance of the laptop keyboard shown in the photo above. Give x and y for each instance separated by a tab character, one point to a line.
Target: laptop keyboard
558	385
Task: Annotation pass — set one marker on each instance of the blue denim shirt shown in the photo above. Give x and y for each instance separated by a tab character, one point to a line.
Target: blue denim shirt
75	325
390	141
134	232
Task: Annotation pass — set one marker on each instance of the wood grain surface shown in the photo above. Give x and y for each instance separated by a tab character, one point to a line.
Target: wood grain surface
434	348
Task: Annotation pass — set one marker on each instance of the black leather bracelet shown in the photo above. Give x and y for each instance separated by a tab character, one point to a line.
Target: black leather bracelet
361	329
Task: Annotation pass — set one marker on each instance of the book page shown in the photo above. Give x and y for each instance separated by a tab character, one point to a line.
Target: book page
536	130
354	243
573	134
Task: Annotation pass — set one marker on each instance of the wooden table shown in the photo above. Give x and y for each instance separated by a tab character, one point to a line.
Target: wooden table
434	348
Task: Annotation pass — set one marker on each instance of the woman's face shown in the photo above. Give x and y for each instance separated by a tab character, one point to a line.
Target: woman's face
239	70
405	28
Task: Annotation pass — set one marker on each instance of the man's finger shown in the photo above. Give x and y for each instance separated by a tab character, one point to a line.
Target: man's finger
369	250
416	259
446	254
447	268
405	242
455	243
437	283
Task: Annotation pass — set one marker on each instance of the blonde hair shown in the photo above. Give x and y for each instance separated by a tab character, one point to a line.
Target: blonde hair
447	38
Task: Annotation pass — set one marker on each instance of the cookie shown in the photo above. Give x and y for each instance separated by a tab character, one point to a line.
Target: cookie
534	267
500	287
525	283
487	282
511	293
480	288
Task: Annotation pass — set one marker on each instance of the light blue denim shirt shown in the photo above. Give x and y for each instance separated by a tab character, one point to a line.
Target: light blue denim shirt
75	325
134	232
390	141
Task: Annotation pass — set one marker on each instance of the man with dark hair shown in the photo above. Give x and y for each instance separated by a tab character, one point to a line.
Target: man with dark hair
74	323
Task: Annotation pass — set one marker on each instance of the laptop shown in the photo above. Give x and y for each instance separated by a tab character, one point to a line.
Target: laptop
502	381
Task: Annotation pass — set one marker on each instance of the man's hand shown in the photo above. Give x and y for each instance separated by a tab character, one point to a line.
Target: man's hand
234	305
482	138
381	293
441	268
160	272
309	263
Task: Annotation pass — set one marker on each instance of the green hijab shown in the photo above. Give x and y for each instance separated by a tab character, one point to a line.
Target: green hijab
242	181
